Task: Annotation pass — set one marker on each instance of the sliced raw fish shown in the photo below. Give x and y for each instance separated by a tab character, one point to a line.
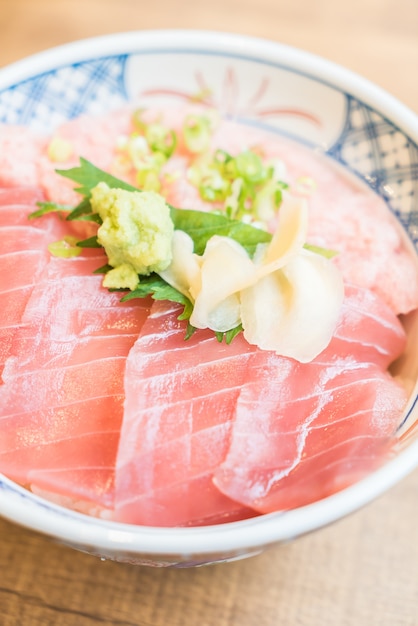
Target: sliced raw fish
19	238
326	423
62	397
15	267
180	400
95	139
310	439
20	196
345	215
368	330
23	258
89	412
20	150
184	401
17	215
17	203
24	255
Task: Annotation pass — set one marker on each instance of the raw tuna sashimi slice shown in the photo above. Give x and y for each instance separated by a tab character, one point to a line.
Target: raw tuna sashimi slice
368	329
176	188
76	336
23	258
26	159
17	203
23	255
20	238
184	402
20	150
15	290
180	399
49	460
372	252
310	440
62	399
327	423
16	215
95	139
19	197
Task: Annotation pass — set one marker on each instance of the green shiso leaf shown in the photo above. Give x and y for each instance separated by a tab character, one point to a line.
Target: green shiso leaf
82	210
104	269
49	207
328	254
88	176
229	335
199	225
154	286
91	242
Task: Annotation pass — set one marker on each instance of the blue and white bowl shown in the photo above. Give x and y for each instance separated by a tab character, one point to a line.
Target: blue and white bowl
264	84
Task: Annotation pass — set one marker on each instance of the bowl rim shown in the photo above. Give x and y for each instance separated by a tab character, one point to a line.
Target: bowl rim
266	529
129	42
82	530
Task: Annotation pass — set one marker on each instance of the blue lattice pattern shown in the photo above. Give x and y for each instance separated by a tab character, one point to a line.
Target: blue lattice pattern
384	157
369	145
50	98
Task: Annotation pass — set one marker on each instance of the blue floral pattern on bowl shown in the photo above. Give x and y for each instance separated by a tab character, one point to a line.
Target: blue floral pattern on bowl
358	136
369	145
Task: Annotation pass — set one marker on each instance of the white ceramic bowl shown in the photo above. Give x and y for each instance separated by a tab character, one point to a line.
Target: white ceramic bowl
361	126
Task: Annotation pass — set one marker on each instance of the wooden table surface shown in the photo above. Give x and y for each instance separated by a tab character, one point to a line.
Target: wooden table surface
363	570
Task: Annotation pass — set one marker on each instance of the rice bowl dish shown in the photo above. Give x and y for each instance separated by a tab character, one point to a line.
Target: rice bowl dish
300	101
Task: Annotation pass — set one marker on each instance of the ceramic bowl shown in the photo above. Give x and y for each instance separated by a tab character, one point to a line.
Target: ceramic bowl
265	84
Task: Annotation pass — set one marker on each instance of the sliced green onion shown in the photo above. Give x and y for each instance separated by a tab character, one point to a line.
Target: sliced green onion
197	132
250	167
137	120
65	248
148	171
305	185
232	202
161	139
328	254
267	201
213	187
221	157
137	149
148	180
48	207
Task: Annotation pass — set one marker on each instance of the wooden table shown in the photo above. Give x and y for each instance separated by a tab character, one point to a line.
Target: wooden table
362	571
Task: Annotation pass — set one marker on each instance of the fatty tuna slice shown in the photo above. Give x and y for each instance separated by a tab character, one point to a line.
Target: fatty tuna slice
20	150
24	255
368	330
180	400
309	441
23	258
187	403
20	196
15	290
62	398
20	238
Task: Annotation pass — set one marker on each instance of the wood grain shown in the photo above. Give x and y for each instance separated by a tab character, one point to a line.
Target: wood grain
361	571
377	38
